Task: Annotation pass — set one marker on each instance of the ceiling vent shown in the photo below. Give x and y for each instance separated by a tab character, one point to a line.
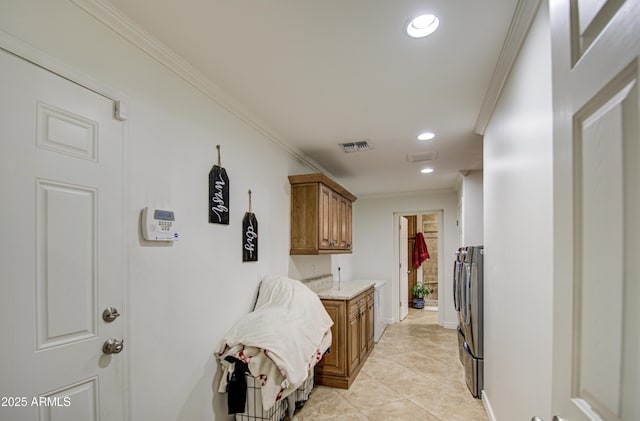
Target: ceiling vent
358	146
421	156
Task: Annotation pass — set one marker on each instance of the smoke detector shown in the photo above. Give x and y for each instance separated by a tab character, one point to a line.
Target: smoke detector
357	146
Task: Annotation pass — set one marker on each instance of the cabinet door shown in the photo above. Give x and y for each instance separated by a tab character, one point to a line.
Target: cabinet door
347	224
362	333
353	335
334	219
304	218
325	217
344	223
370	320
334	362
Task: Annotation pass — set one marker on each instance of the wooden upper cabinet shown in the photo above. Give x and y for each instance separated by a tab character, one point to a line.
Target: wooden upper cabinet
321	215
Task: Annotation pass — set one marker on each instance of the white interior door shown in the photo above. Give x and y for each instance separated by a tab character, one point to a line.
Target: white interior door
62	262
596	370
404	270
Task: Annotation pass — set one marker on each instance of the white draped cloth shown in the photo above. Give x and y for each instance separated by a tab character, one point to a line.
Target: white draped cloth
281	340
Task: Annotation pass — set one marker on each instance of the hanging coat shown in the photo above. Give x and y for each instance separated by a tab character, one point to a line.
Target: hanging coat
420	251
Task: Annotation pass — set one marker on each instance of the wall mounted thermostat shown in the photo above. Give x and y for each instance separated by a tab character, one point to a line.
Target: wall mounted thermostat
159	225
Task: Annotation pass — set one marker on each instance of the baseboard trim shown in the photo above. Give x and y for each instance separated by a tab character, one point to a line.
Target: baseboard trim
449	325
487	406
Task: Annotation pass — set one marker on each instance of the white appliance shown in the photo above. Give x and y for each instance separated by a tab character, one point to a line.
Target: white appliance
379	325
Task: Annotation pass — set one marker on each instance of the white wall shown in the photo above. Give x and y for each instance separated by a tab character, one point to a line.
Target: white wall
472	209
518	234
375	239
308	266
181	298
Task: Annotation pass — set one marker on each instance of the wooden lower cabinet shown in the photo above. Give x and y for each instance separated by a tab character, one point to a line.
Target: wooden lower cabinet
370	320
352	341
334	362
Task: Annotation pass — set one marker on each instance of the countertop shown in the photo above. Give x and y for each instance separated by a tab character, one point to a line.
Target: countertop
345	290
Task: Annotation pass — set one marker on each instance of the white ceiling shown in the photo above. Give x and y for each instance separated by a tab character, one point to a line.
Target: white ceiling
315	73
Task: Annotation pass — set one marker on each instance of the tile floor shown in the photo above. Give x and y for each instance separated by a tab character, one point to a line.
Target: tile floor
412	374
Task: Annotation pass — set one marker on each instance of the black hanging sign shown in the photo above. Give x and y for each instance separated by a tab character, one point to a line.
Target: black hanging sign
249	235
218	194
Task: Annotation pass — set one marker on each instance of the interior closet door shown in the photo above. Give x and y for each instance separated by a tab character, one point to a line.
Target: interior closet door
62	260
596	370
404	270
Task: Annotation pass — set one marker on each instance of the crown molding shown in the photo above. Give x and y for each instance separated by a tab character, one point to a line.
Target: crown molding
132	33
522	19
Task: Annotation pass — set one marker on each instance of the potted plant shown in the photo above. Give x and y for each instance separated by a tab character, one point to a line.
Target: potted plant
418	292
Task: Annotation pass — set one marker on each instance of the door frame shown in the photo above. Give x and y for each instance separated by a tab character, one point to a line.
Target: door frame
41	59
395	278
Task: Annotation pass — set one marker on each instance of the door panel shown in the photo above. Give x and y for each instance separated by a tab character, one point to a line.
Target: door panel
67	133
353	335
75	402
404	271
370	317
325	217
62	260
362	327
596	369
332	362
598	342
412	272
589	18
66	282
334	222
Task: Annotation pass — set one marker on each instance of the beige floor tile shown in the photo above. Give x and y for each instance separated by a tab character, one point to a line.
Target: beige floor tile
451	409
403	410
369	393
325	406
412	374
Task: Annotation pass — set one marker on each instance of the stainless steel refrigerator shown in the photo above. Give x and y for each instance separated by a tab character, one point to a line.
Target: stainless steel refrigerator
468	302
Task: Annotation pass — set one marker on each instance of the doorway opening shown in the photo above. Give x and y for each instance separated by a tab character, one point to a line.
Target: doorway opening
428	273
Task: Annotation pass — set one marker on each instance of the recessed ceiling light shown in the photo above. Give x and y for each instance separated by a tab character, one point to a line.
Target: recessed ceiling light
422	26
426	136
426	170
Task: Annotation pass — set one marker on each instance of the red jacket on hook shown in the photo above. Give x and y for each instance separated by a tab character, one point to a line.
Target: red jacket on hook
420	252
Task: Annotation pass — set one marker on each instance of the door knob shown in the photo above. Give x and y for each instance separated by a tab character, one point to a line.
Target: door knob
536	419
110	314
112	346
